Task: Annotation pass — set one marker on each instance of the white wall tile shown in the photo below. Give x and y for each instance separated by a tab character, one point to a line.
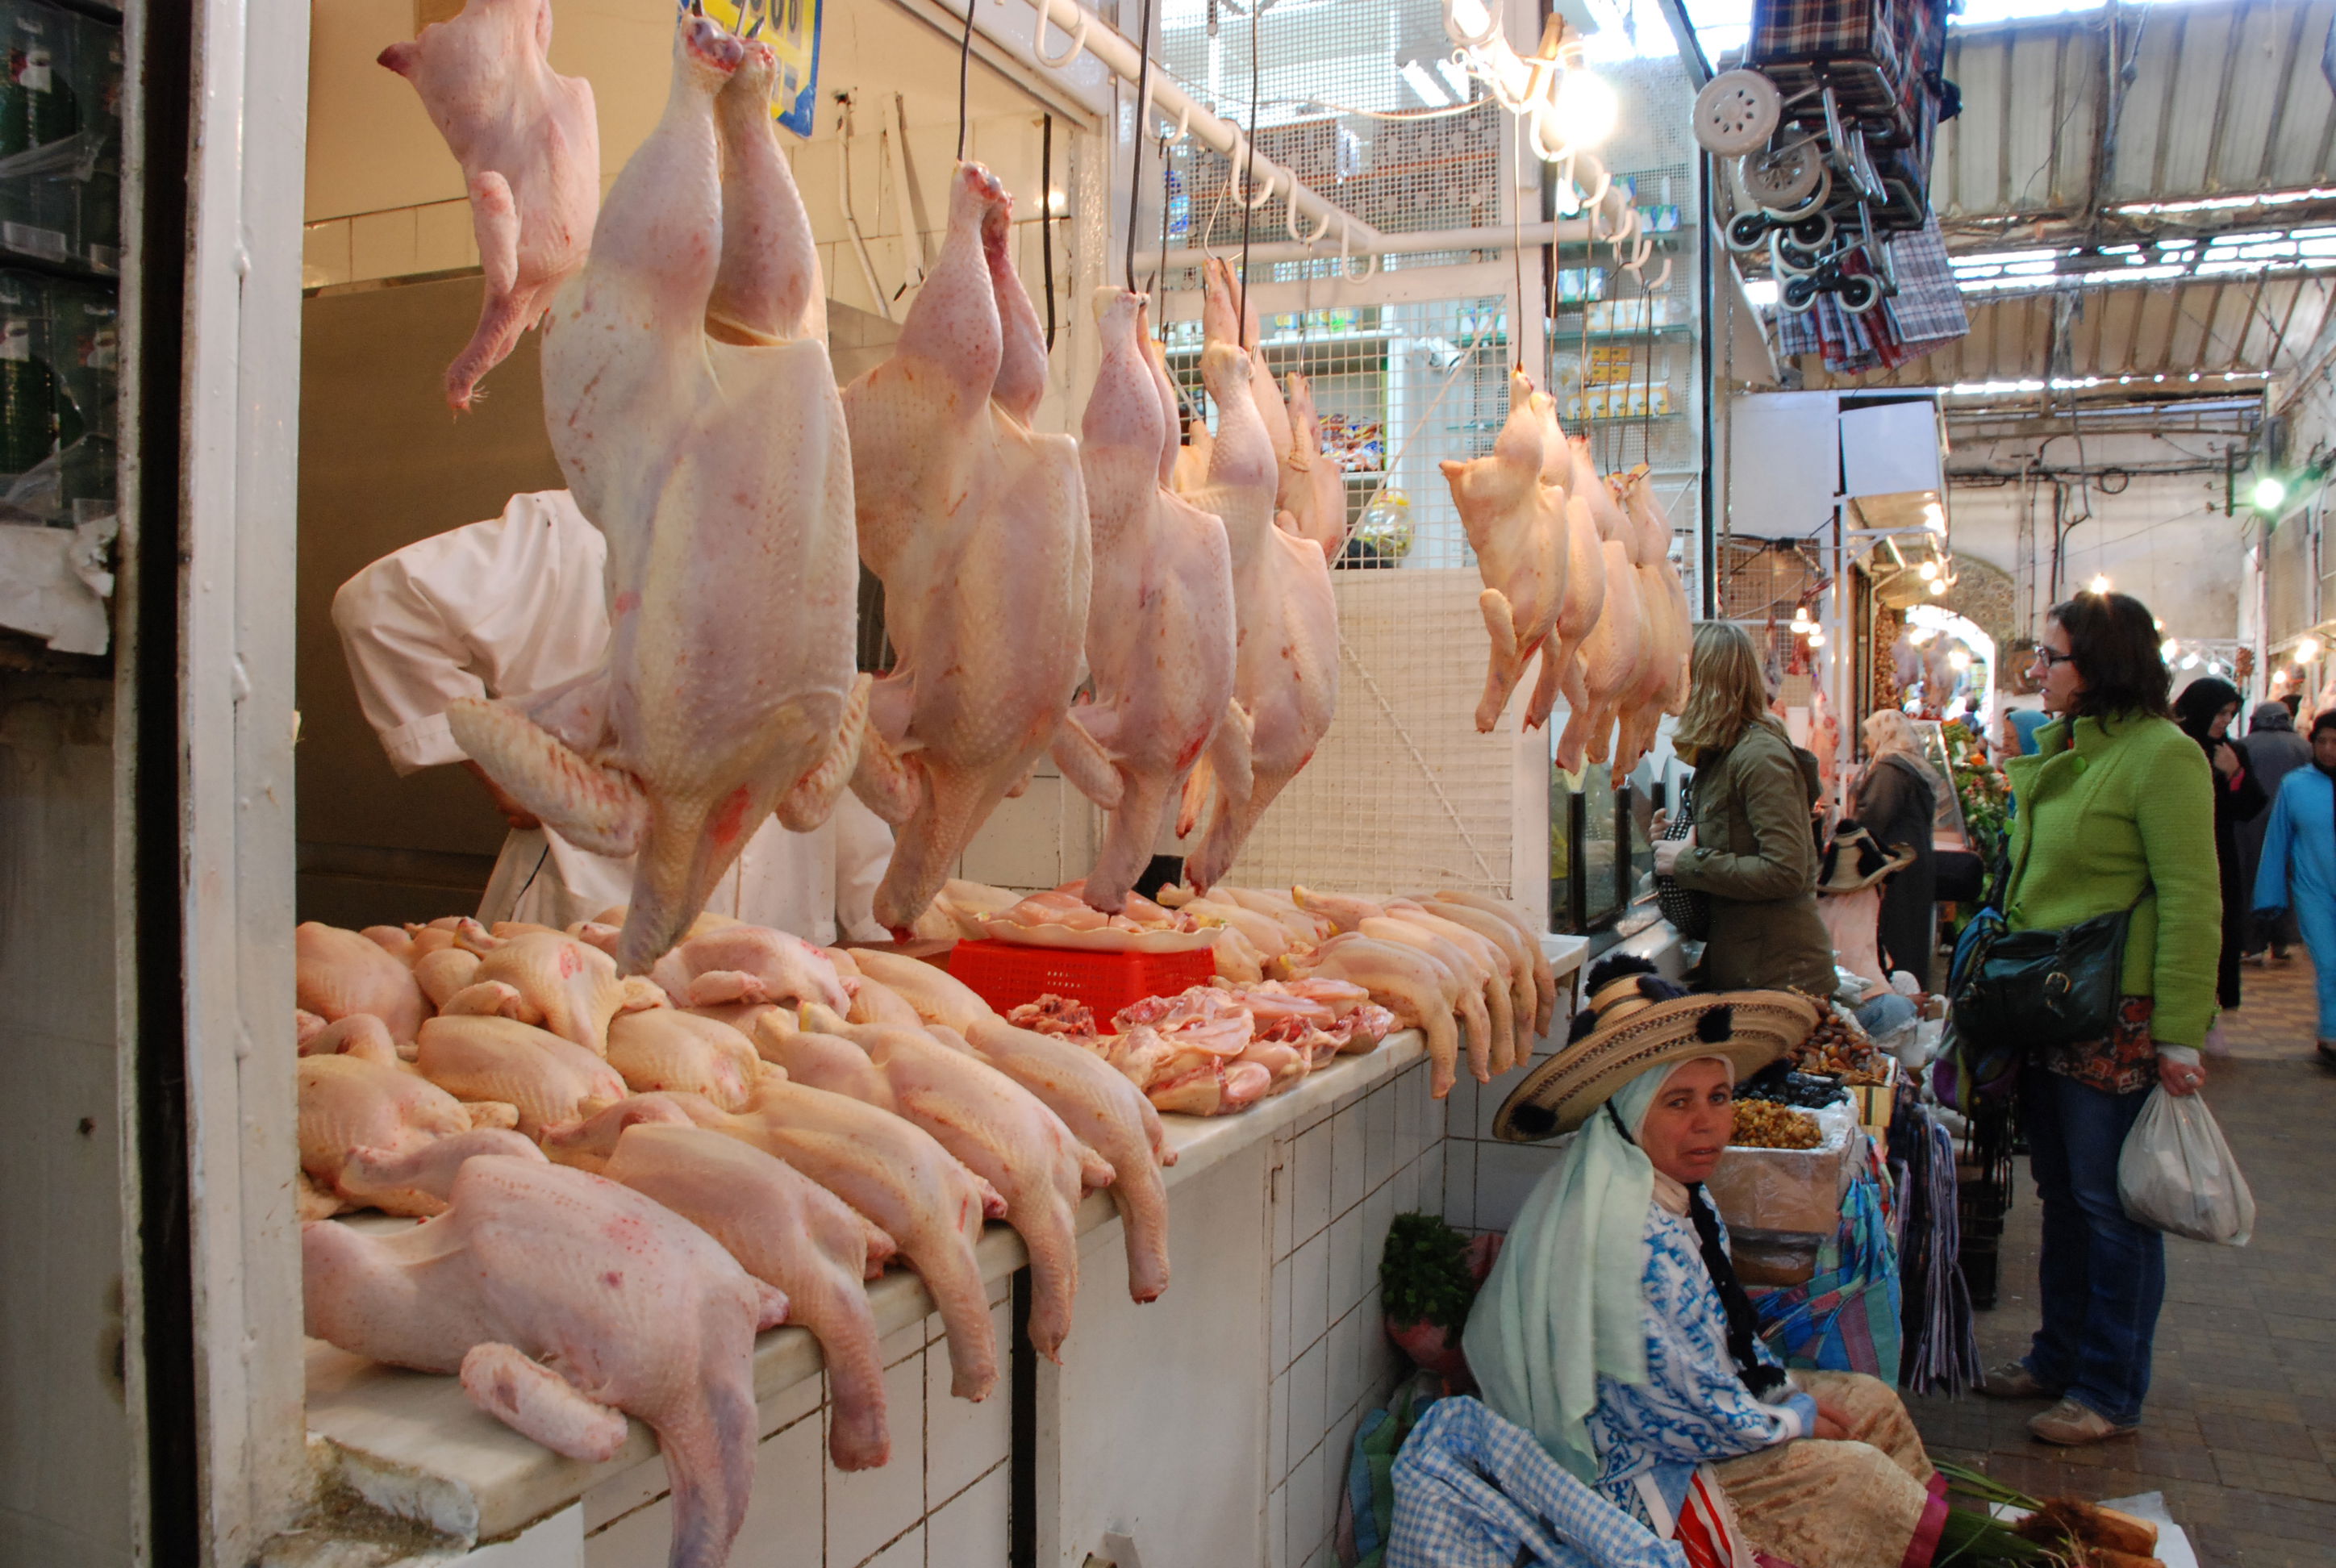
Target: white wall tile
962	1438
1277	1527
792	1404
1405	1188
1312	1210
1349	1169
1310	1294
1505	1174
907	1552
1431	1172
1276	1429
974	1530
867	1508
1383	1153
1459	1170
907	1341
1277	1315
782	1527
1282	1179
1305	1523
1379	1213
641	1537
1336	1448
1309	1391
1460	1105
1346	1276
1345	1383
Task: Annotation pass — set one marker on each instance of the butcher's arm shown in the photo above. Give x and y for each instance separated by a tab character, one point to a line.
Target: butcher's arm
1783	861
407	656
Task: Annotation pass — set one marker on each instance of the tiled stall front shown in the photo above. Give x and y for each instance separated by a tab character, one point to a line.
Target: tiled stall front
941	1502
1337	1182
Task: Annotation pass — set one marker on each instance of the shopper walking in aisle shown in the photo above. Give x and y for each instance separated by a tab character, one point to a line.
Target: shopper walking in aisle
2204	710
2115	813
2272	750
1898	802
2297	878
1750	846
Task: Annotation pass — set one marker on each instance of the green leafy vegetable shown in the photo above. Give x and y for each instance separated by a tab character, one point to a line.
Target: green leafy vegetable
1424	1273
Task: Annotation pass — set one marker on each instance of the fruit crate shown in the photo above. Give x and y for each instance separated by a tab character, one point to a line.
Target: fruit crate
1007	974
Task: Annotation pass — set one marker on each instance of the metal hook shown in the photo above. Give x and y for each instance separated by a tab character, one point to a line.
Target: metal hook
1289	219
1264	193
1491	28
1345	249
1039	38
1662	280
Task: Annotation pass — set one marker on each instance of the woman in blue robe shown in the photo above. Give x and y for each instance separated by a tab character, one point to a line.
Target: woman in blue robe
2298	869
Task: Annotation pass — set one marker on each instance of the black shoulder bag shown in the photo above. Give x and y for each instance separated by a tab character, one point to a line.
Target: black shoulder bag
2013	992
1687	911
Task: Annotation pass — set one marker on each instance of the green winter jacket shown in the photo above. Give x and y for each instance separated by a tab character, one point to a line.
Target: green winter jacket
1754	856
2124	811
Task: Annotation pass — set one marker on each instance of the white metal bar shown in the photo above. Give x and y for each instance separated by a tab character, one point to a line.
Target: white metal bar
247	147
1488	236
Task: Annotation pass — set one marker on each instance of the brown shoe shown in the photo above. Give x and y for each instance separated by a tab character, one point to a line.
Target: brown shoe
2013	1380
2073	1426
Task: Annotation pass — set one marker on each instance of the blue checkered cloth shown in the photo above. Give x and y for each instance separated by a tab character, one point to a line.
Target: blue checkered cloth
1475	1491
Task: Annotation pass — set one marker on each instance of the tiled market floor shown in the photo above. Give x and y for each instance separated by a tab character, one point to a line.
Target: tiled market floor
2240	1431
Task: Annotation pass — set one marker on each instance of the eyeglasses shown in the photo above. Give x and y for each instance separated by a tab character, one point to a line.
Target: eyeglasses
2051	659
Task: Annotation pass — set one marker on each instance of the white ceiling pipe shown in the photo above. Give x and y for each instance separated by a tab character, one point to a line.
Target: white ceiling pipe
1125	60
1496	236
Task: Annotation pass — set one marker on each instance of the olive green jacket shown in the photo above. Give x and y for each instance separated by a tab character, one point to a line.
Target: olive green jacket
2124	811
1754	855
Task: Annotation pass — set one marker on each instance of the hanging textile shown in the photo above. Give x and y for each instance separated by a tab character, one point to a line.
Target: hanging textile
1845	1319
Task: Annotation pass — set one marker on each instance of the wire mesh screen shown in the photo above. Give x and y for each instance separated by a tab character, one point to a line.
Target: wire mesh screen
1347	98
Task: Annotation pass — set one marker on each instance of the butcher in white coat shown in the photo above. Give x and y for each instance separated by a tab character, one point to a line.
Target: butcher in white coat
515	606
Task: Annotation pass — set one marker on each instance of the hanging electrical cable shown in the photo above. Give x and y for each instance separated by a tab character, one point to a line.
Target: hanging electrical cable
1249	180
964	73
1046	218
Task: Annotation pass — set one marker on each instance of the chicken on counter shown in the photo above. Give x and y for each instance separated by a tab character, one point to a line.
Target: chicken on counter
753	964
562	1299
551	1080
529	142
789	1232
977	527
1160	619
701	432
362	1100
337	973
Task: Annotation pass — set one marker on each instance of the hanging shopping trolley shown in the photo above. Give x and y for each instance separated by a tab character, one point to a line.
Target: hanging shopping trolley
1827	127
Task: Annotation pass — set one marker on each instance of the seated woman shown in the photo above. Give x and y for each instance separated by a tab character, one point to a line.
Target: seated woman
1612	1328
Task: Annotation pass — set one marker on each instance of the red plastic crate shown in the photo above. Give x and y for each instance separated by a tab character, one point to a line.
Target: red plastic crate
1007	974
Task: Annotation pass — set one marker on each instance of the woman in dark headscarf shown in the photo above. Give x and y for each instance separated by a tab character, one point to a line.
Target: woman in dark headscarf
2204	710
2272	750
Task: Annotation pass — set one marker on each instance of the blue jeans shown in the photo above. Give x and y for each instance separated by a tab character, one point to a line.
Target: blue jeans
2102	1276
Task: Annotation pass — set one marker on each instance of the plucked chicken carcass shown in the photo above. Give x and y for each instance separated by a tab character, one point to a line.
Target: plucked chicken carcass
1545	977
751	964
1286	671
1610	654
790	1232
1586	578
1313	490
1481	989
890	1170
977	527
1159	617
563	1298
938	996
1410	984
709	446
1660	684
337	973
1518	530
1104	1111
530	146
1001	1133
665	1048
543	979
362	1100
551	1080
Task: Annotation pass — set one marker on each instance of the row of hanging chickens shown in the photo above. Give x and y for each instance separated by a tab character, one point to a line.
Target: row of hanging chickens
624	1179
691	404
1577	570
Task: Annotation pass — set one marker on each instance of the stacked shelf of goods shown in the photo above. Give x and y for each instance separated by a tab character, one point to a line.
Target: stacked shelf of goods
60	255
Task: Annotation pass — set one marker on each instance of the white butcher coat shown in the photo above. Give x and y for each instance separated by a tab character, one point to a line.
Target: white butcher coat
515	606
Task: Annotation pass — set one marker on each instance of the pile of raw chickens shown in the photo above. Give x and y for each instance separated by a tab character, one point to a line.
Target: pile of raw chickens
1577	569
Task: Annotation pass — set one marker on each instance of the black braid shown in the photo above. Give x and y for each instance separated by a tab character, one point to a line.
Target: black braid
1743	1324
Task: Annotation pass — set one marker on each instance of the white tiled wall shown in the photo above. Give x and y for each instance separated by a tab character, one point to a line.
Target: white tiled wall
1486	1181
941	1502
1337	1182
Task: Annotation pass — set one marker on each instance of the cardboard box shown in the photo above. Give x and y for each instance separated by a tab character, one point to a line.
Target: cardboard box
1793	1190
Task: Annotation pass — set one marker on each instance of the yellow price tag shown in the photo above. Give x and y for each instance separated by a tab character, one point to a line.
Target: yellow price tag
791	27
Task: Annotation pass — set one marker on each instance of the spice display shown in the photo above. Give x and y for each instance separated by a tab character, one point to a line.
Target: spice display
1839	1047
1765	1125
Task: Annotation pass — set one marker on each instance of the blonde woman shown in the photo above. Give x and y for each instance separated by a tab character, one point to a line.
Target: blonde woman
1749	849
1898	802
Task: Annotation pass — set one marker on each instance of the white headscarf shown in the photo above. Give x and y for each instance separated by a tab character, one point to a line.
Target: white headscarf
1566	1299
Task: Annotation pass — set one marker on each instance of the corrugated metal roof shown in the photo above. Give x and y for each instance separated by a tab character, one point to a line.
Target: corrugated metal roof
2226	97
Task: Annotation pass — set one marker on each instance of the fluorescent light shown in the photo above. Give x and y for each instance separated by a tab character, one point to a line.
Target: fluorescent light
2190	662
1429	90
2307	649
1454	77
1470	17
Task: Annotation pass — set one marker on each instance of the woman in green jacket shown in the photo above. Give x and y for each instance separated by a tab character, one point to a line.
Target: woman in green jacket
1750	848
2114	811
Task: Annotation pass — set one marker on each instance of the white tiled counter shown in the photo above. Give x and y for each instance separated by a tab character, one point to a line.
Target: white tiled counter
1209	1429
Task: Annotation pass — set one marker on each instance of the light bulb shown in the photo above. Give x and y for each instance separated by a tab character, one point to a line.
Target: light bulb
1581	113
2168	649
1817	636
2268	492
1959	658
1930	570
2190	662
2100	584
1938	587
2307	650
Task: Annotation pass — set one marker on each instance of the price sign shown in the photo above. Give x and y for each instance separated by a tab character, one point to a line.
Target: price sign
791	27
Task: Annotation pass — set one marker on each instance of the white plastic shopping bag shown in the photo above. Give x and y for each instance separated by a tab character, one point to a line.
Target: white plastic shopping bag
2175	1174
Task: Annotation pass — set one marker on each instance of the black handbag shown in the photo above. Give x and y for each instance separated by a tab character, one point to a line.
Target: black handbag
1688	911
2029	990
